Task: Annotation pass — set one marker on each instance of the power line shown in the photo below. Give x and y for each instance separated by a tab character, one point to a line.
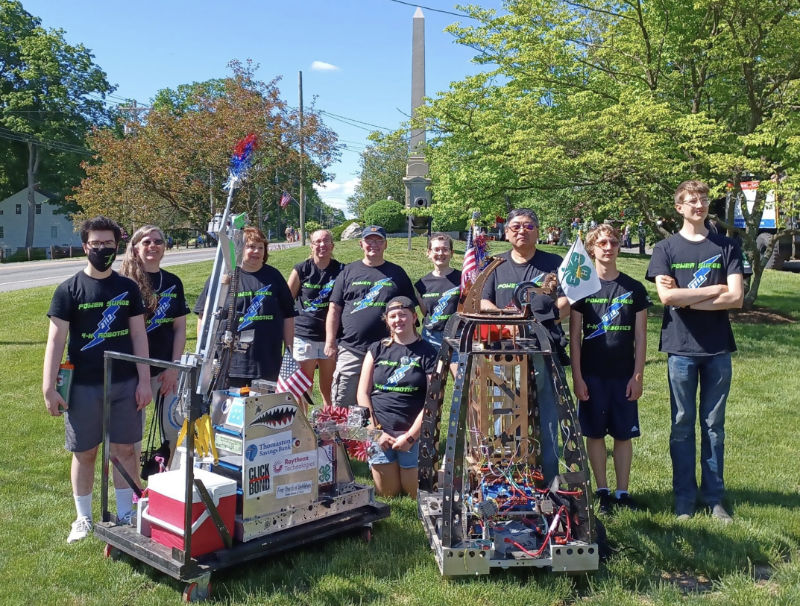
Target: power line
62	146
352	121
435	10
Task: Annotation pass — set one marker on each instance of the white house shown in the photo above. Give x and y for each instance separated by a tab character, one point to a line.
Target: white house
49	228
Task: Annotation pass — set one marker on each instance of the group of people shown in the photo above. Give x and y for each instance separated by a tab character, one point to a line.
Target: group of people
358	323
291	234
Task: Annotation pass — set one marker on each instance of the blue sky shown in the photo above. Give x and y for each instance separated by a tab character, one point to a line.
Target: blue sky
148	45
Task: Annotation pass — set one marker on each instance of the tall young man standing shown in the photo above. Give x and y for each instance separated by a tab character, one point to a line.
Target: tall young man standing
98	310
698	274
439	291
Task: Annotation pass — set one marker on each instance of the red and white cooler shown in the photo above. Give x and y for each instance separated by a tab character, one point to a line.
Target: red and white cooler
165	509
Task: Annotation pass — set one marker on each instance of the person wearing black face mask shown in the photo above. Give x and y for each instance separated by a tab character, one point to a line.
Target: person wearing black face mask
99	310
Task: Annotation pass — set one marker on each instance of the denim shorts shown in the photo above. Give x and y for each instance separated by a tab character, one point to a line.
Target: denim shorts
406	460
305	349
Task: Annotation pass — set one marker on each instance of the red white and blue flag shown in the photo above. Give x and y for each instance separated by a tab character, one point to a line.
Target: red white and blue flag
292	379
474	259
285	199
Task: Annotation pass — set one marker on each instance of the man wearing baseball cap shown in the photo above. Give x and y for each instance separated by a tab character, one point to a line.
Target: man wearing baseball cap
355	312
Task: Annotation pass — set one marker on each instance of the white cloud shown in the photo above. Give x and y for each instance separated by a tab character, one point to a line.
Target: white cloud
321	66
335	193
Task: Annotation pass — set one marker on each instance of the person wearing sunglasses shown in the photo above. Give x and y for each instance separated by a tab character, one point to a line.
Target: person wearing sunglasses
525	263
163	296
95	311
698	275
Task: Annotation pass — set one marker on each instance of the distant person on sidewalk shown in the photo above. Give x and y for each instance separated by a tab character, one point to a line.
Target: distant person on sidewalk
98	310
698	274
608	333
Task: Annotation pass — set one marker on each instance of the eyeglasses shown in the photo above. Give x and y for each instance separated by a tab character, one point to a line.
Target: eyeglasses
695	201
157	242
102	243
520	226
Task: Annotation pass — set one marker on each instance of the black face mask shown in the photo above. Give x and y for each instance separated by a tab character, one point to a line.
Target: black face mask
102	258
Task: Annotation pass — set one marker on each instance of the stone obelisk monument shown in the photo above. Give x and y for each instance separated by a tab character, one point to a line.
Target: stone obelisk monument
416	180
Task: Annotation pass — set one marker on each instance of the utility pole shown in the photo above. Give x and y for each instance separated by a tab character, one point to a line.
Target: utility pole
302	153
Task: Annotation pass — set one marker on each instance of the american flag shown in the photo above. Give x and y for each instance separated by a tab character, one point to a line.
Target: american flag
285	199
474	259
291	378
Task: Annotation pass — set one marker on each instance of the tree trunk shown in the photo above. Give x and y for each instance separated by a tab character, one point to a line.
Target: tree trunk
33	169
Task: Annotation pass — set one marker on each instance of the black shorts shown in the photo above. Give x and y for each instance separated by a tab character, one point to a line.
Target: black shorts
608	412
83	421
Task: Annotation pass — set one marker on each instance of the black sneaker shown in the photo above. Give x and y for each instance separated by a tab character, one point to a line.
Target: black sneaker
627	501
605	501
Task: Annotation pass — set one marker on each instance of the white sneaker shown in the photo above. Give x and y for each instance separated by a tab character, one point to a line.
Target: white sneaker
80	529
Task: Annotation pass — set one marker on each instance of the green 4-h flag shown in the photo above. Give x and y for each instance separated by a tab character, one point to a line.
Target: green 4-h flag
576	275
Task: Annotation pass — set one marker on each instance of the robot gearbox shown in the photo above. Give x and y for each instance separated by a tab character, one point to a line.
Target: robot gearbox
512	487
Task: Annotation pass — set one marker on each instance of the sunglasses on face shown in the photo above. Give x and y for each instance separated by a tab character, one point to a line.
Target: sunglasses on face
607	243
157	242
520	226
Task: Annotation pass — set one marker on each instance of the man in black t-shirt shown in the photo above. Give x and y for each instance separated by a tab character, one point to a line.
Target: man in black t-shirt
98	310
356	309
698	274
439	291
524	263
609	343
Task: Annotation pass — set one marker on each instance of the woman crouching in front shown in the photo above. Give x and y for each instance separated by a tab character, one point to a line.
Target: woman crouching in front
393	383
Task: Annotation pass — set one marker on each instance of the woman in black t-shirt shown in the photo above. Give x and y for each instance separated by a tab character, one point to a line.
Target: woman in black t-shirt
311	283
393	384
165	317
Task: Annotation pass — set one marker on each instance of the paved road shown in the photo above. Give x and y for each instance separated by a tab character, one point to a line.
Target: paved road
15	276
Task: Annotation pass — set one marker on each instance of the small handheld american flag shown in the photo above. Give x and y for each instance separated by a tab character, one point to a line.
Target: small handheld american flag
292	379
474	259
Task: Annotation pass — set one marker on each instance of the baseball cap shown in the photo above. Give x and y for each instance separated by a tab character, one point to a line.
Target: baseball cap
373	230
400	303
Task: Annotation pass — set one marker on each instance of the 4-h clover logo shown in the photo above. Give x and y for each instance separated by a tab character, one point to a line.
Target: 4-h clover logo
575	270
325	473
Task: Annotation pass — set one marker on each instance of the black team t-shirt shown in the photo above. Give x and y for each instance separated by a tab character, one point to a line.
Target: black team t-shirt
692	332
363	293
316	286
98	312
440	296
499	288
609	323
263	301
399	382
168	289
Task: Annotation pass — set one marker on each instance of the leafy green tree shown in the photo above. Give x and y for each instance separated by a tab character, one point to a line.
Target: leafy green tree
389	214
172	164
383	166
51	94
599	108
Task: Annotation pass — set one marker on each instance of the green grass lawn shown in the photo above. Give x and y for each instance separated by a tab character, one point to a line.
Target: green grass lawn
655	560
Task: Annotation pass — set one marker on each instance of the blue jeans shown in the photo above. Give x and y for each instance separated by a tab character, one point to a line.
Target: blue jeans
714	375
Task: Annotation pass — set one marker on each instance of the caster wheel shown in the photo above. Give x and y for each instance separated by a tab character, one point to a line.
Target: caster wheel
111	552
366	534
196	592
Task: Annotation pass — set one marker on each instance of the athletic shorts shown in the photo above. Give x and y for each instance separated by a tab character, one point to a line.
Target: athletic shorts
306	349
608	412
406	460
83	421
